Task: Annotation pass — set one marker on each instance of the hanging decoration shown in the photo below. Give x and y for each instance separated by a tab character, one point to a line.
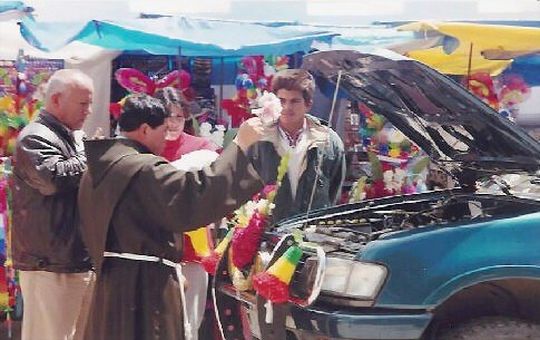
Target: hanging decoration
21	95
210	261
247	237
481	85
513	91
375	137
253	79
136	81
503	94
10	292
247	225
273	284
394	164
388	179
237	108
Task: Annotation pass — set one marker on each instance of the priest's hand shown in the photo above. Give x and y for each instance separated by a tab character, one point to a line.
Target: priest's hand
250	131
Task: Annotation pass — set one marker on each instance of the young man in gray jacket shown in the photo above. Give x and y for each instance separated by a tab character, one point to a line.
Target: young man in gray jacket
310	144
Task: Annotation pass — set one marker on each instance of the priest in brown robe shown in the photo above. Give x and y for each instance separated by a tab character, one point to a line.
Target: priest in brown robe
131	202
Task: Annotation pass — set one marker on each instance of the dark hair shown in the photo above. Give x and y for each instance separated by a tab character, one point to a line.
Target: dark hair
170	96
295	80
139	109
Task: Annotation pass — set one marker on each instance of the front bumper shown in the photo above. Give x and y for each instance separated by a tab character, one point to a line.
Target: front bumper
319	322
363	323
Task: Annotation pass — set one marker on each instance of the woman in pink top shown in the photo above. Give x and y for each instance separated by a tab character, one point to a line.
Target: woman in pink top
178	142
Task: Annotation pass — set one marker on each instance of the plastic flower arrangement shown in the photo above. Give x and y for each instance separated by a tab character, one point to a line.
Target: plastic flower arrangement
273	284
248	224
210	261
388	180
15	112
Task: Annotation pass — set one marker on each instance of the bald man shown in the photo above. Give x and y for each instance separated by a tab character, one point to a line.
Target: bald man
47	247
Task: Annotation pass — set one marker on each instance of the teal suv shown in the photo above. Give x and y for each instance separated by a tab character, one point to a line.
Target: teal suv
448	264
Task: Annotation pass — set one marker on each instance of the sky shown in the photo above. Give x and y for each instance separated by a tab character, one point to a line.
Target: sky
345	12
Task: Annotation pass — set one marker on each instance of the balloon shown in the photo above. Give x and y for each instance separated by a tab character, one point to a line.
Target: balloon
22	88
262	83
394	152
268	70
177	78
366	141
254	66
134	80
383	149
243	81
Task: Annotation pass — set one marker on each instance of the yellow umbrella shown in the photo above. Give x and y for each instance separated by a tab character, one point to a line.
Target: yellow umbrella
457	63
475	42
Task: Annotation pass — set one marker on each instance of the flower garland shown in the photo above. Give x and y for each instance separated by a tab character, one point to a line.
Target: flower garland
246	240
249	223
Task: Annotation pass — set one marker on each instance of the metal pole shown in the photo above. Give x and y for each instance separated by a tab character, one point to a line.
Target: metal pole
320	157
222	77
179	67
469	67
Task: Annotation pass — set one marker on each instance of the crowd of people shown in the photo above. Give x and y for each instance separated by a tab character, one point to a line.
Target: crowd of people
97	225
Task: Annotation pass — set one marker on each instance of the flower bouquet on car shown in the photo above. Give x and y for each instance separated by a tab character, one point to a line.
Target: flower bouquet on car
247	226
249	221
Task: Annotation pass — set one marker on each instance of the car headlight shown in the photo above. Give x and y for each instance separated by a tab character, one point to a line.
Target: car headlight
359	280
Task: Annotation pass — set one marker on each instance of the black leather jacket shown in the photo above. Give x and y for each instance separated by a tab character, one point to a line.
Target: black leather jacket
48	165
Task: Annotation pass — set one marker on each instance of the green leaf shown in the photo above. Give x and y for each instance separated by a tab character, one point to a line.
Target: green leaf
418	167
196	126
358	189
298	235
229	136
376	167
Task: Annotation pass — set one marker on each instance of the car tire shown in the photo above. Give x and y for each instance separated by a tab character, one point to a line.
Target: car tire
492	328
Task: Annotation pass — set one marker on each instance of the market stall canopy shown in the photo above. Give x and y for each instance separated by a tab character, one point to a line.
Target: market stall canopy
14	10
93	60
363	38
447	46
174	35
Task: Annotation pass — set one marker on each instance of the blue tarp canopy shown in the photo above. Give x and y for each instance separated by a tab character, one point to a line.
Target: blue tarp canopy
13	10
12	6
177	35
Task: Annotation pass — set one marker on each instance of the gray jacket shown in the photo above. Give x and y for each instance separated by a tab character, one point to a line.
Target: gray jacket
325	143
48	165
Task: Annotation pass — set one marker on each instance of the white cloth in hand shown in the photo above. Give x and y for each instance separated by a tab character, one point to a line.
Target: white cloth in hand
195	160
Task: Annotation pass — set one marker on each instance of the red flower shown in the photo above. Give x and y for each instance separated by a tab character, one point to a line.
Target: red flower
245	242
115	109
271	288
210	262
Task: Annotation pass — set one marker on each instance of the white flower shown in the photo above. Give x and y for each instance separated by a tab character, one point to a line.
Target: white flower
269	108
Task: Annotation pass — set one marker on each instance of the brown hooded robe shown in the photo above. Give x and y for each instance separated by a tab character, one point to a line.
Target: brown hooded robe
132	202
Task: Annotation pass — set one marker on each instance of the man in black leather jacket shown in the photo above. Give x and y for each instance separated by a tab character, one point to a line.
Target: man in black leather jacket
47	247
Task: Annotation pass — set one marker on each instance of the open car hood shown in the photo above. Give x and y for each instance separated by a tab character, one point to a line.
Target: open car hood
456	129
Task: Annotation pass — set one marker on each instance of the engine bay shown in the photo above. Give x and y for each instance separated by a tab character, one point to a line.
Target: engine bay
348	228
